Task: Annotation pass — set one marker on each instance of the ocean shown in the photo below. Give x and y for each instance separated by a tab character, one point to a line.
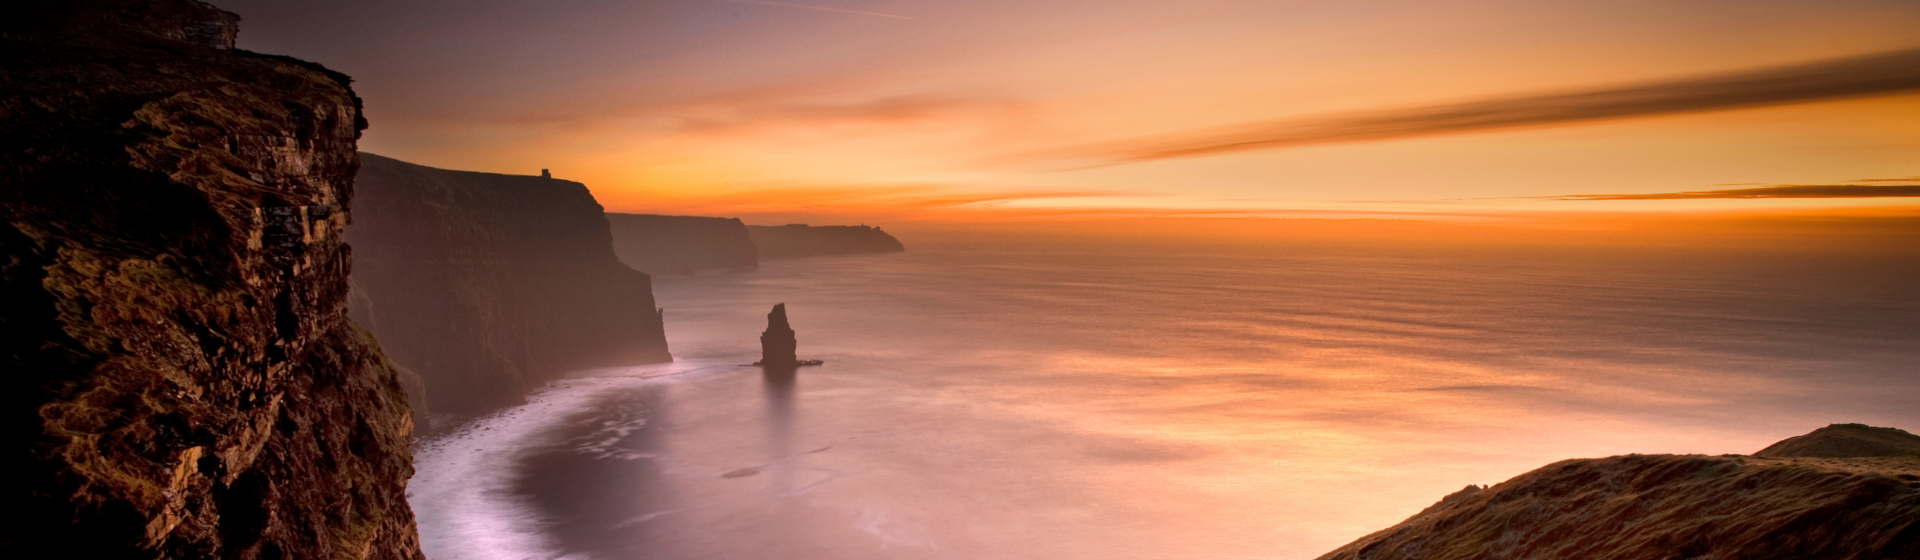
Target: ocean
1057	400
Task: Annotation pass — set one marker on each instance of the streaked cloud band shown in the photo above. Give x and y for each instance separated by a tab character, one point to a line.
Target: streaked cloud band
1877	74
1779	191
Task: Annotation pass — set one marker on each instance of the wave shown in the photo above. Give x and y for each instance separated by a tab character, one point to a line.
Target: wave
463	485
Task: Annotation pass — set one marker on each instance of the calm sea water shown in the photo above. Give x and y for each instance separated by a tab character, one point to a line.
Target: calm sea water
1115	402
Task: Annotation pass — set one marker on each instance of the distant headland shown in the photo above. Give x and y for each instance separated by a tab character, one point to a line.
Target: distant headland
801	240
680	245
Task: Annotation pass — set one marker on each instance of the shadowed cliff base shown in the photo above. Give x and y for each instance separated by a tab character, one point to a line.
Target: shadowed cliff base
1844	492
488	285
182	380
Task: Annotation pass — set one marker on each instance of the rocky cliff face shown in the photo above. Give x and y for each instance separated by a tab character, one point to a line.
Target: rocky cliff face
675	245
488	285
801	240
1821	505
182	380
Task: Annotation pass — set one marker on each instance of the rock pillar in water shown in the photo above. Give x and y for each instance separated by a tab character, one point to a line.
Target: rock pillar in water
777	344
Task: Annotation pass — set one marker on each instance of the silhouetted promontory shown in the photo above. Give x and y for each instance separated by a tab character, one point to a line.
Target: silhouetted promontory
488	285
181	379
1845	492
801	240
678	245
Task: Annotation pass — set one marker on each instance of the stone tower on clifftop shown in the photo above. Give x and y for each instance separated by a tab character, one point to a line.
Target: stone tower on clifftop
777	344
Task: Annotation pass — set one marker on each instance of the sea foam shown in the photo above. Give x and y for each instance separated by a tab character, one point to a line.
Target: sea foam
463	482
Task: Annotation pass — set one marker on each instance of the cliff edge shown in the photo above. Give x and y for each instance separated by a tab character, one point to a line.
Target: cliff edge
679	245
488	285
801	240
1805	504
182	380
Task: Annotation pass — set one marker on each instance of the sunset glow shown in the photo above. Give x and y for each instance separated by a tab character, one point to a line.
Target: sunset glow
910	111
961	279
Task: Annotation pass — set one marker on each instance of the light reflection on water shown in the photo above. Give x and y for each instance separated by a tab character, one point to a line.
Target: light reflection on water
1081	402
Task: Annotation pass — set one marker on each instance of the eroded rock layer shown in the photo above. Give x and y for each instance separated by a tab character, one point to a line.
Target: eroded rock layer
1664	507
182	380
488	285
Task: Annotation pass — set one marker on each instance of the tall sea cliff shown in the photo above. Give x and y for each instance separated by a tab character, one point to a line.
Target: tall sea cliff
488	285
182	379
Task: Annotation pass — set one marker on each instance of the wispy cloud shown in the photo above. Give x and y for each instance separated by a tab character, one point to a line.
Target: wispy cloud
1777	191
883	110
1877	74
818	8
1007	203
866	198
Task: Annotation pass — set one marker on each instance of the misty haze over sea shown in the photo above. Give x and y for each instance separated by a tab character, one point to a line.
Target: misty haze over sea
1122	402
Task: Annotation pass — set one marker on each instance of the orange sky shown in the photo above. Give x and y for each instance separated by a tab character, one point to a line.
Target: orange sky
914	111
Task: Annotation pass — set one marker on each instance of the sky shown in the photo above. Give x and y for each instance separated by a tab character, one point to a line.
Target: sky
921	111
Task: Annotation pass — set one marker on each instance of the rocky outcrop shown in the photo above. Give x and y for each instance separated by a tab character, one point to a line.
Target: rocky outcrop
777	345
801	240
678	245
1663	507
181	377
487	285
1847	440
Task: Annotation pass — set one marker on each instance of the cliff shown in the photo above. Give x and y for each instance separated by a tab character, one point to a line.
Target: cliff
487	285
801	240
676	245
181	377
1786	505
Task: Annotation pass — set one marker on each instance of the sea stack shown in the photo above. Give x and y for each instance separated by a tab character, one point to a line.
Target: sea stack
777	344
